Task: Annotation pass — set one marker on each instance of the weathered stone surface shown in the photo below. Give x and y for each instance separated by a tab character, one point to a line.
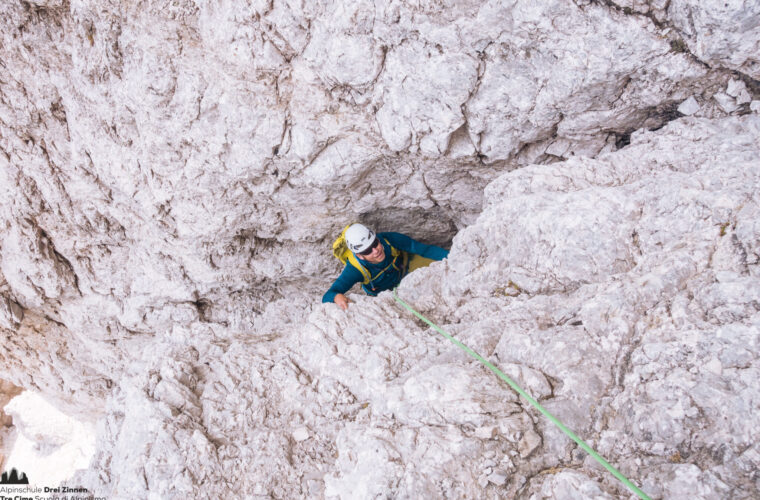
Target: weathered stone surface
171	176
704	26
648	351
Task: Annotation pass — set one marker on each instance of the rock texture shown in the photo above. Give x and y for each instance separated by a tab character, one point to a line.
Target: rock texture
640	331
173	173
643	279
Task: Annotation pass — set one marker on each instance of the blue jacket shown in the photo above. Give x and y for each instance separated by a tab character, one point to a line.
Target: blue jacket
390	278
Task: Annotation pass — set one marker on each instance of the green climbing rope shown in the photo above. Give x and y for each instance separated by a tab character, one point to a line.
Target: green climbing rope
532	401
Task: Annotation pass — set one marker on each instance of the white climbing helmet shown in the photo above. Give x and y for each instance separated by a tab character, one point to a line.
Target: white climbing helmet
359	237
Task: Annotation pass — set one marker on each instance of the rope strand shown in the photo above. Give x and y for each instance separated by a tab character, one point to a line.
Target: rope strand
532	401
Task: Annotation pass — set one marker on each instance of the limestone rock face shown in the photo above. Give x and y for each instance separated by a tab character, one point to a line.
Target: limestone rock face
703	25
172	175
630	282
639	331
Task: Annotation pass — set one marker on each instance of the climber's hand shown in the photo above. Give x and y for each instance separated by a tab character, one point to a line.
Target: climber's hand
342	301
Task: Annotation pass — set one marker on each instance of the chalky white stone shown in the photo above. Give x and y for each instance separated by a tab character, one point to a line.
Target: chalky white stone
688	107
172	176
735	87
301	434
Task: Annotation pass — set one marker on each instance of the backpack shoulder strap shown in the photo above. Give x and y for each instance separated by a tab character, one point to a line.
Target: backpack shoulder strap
346	256
355	262
395	253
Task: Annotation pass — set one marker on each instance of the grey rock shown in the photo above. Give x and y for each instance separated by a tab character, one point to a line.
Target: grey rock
726	102
689	106
172	177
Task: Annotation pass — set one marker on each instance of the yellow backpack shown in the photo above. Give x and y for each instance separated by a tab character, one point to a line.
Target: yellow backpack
343	254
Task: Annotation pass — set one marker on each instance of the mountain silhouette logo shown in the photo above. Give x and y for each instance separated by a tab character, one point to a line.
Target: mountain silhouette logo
13	477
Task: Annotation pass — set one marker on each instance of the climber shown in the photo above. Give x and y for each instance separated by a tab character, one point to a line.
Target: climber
377	261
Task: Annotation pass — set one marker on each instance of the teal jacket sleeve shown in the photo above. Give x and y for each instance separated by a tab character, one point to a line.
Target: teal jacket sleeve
404	242
348	278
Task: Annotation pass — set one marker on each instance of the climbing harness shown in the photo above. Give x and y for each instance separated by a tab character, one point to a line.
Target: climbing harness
532	401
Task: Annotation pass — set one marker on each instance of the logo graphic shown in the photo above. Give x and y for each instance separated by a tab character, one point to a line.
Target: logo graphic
13	478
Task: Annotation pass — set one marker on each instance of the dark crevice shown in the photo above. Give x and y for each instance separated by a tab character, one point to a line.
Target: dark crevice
622	140
431	226
660	116
203	306
60	258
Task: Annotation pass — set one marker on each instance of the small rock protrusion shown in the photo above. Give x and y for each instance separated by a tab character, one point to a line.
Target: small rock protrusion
11	314
689	106
735	87
499	478
483	481
743	98
487	432
528	443
301	434
726	102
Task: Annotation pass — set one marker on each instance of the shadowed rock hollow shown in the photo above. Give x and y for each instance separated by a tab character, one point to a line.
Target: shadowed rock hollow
172	176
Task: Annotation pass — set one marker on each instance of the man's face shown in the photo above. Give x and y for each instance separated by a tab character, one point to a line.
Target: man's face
376	255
